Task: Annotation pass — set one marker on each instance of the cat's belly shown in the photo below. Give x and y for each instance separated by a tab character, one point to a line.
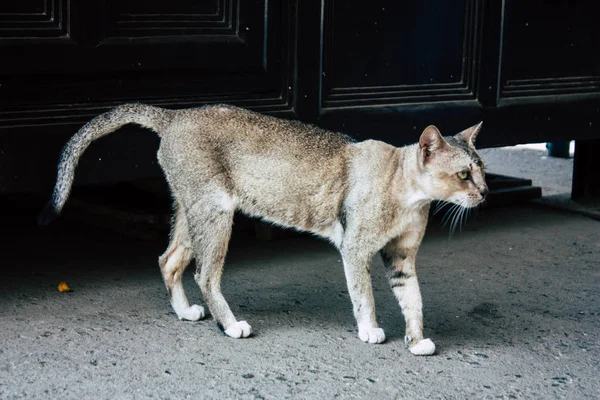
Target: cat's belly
319	219
333	231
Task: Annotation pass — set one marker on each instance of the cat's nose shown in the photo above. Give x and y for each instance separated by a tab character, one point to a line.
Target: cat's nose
484	192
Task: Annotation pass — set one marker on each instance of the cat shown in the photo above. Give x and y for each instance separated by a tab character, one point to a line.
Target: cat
364	197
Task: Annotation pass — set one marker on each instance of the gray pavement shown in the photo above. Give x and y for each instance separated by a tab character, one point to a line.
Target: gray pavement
554	175
511	301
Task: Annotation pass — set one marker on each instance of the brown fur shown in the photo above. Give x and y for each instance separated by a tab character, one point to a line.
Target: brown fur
364	197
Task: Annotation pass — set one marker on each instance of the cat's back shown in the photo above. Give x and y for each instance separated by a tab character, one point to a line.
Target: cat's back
244	140
226	124
255	151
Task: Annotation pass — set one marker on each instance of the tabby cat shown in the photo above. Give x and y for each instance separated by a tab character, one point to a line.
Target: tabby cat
364	197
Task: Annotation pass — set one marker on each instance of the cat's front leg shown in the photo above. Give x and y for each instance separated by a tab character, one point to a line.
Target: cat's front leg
358	278
399	259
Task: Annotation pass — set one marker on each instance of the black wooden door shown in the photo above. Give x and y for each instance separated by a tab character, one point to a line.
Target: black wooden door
64	62
380	69
530	70
59	56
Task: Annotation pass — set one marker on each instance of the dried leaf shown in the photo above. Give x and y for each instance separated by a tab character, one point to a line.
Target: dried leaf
63	287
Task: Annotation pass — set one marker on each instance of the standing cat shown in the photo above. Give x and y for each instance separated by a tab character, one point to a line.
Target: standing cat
364	197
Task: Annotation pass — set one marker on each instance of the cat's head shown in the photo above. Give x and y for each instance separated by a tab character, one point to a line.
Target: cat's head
452	171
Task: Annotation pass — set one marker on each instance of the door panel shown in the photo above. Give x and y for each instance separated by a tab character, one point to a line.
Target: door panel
78	57
26	19
402	52
551	48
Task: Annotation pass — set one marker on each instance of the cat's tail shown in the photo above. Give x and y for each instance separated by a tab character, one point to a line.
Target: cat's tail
150	117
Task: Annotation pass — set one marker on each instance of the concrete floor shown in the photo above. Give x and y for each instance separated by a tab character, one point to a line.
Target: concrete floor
511	302
552	174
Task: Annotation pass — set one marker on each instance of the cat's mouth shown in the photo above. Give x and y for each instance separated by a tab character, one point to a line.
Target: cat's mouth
475	202
469	201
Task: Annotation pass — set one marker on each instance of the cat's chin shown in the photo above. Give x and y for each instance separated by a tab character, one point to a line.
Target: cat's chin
464	204
467	203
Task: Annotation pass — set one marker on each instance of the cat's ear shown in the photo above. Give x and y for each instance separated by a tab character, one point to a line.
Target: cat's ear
431	140
469	135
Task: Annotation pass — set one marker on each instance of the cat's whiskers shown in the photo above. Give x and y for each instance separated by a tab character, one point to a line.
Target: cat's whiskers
456	215
456	220
441	204
451	213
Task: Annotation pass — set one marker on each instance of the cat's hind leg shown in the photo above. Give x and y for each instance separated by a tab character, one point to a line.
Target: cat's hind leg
172	265
210	220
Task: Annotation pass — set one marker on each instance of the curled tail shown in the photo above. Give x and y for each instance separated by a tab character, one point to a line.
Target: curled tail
153	118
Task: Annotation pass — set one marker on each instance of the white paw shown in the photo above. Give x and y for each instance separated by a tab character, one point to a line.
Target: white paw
193	313
424	347
240	329
371	335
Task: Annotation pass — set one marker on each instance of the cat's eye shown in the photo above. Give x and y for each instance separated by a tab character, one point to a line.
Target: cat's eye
463	175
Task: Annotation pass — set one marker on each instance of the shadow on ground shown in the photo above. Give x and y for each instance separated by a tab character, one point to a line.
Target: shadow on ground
511	302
